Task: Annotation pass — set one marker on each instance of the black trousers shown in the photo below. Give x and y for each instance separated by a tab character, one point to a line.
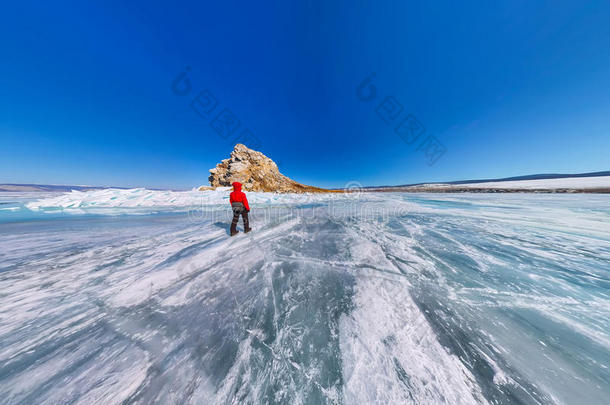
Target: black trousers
244	216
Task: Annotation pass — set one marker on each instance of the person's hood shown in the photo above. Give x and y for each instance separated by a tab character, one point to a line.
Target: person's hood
236	186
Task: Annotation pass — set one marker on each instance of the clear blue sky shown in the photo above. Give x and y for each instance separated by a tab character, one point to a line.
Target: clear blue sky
508	87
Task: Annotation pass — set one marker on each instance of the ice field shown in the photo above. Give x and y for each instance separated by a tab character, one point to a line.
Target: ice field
138	296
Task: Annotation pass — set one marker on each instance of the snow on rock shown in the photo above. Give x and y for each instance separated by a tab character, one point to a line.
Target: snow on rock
256	172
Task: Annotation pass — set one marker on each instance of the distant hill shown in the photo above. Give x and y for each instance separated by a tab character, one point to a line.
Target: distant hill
56	188
46	187
545	176
595	182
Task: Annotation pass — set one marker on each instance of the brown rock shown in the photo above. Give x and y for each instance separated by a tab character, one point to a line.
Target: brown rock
256	172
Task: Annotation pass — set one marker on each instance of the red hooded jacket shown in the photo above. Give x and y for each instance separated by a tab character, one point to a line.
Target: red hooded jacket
238	196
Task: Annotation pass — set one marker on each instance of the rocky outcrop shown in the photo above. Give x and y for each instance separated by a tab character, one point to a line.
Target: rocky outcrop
256	172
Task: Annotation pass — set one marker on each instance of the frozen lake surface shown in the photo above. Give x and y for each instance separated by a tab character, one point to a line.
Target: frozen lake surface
137	296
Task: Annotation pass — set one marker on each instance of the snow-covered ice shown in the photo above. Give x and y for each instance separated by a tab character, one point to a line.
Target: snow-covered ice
575	183
140	296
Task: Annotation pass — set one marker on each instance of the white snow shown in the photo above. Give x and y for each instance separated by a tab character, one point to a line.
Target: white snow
141	197
552	184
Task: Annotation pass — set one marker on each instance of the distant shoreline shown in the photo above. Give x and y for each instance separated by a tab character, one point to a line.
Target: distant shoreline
586	183
397	189
53	188
484	190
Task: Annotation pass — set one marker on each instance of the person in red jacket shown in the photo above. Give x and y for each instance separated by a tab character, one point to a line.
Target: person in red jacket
239	203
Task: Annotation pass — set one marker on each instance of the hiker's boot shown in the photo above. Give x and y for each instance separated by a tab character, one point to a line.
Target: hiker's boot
233	233
247	230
